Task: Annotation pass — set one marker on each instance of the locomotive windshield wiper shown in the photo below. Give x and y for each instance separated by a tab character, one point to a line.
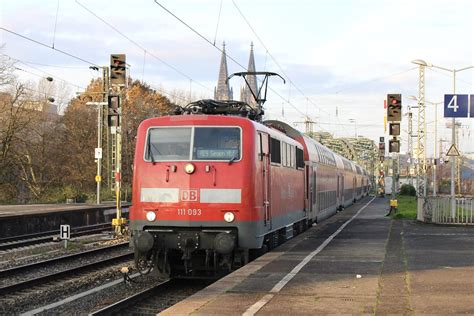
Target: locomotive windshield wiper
233	159
149	151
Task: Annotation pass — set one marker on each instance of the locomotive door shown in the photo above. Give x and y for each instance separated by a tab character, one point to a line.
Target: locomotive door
266	181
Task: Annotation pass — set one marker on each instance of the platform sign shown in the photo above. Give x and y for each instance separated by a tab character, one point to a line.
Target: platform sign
65	232
98	153
456	105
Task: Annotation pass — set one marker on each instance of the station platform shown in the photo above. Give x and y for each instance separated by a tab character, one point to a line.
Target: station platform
33	209
357	262
16	220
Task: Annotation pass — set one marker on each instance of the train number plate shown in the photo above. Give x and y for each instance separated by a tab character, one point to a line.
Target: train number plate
189	211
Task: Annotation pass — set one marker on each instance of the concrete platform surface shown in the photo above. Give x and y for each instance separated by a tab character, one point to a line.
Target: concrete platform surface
357	262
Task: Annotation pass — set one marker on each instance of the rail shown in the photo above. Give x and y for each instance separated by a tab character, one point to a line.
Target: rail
124	306
28	283
43	237
437	210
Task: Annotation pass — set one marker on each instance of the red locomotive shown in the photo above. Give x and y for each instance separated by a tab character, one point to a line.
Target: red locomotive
209	190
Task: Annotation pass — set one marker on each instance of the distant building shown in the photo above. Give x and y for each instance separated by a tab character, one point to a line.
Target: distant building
42	106
223	92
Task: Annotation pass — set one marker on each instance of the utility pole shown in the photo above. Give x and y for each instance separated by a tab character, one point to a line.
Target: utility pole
394	175
98	150
118	80
421	144
308	124
410	144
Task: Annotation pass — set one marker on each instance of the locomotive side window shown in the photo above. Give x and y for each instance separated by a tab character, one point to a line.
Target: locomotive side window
216	143
288	155
168	144
283	154
299	158
275	150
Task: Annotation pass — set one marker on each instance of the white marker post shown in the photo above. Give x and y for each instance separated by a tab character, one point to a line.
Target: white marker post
65	233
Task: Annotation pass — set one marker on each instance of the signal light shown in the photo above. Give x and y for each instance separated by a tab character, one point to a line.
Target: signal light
394	108
113	115
393	146
117	69
394	129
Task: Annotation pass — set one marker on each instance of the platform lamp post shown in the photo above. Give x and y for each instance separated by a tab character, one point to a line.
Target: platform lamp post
453	131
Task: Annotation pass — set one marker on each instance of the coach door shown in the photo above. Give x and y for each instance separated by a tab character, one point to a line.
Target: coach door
338	191
266	176
342	191
354	186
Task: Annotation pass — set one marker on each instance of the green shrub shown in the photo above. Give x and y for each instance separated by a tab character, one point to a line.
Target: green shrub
408	189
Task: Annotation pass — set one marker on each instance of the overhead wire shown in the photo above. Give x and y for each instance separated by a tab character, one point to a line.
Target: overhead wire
50	47
272	57
447	75
37	69
56	22
372	80
220	50
141	47
218	21
53	66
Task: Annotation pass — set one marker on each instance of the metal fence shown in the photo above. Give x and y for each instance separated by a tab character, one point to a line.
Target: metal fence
437	209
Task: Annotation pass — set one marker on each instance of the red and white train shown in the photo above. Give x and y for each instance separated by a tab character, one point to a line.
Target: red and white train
208	190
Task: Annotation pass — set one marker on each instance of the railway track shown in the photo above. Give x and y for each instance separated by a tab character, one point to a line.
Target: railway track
9	288
155	299
44	237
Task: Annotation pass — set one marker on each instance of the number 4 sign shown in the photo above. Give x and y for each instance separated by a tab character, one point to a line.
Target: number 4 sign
457	105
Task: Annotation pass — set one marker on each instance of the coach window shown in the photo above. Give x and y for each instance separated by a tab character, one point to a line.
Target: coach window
168	144
275	150
216	143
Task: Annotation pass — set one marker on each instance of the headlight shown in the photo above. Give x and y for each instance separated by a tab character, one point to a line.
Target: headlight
189	168
150	216
229	217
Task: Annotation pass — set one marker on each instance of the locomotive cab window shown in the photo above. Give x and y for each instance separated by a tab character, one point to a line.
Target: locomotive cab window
168	144
216	143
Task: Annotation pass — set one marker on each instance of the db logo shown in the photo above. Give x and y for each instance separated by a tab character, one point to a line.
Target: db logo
189	195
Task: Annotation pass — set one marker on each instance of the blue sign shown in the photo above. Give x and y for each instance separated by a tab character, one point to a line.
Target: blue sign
472	105
456	105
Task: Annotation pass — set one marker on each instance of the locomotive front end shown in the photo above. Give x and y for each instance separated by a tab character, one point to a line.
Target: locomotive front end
190	195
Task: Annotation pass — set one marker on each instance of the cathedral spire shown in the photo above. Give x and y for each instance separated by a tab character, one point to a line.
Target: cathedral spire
223	91
245	94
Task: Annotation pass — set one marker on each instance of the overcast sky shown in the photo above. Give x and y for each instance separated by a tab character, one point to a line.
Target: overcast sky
339	58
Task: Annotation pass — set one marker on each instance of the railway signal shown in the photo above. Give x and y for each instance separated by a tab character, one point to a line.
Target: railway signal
394	129
118	69
394	107
394	146
114	111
